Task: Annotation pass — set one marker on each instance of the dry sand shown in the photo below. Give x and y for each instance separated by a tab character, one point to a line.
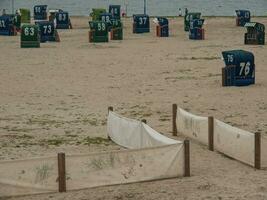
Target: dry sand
54	98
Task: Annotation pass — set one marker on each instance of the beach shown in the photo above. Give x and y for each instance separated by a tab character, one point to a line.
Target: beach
55	99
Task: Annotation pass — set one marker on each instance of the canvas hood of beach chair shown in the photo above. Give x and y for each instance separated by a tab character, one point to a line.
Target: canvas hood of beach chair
255	33
116	32
239	68
189	17
29	37
162	29
40	12
141	23
242	17
96	12
115	11
196	32
98	32
47	31
25	15
7	26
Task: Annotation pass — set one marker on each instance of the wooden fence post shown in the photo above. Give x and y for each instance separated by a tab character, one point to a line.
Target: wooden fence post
61	172
186	158
110	108
211	133
144	121
174	115
257	163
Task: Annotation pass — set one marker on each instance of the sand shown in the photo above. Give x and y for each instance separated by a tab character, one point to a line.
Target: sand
55	99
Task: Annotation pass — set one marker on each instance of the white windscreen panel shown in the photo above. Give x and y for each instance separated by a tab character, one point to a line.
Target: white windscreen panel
30	176
125	166
234	142
192	126
134	134
123	131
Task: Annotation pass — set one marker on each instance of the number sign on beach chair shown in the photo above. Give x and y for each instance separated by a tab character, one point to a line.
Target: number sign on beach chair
242	17
96	12
255	33
239	69
162	27
141	23
47	31
116	32
196	32
29	36
189	17
98	32
25	15
40	12
106	17
115	11
7	26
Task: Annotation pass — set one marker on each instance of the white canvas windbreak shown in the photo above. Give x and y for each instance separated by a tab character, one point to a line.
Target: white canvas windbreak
29	176
151	156
231	141
264	151
125	166
134	134
234	142
192	126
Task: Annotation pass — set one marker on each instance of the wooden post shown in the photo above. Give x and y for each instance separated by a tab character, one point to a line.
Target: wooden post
61	172
186	158
211	133
223	77
174	115
257	163
110	108
144	121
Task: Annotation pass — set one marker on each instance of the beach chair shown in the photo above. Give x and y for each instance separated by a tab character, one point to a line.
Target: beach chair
141	23
98	32
63	20
239	68
25	15
255	33
47	32
115	11
7	26
40	12
162	27
242	17
196	32
116	32
29	36
189	17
